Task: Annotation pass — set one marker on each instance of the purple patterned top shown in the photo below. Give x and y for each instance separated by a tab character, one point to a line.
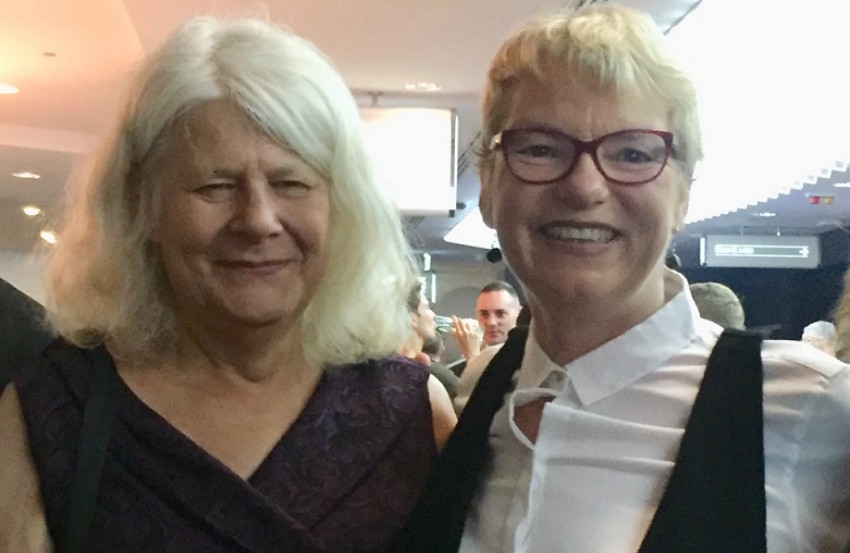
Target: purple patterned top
343	478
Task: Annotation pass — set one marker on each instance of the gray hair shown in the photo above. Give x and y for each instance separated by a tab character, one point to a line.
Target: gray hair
105	279
820	330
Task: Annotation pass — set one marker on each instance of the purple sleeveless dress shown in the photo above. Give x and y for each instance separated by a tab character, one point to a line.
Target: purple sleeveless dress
344	477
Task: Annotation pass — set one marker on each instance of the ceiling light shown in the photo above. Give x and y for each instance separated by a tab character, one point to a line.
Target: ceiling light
841	185
765	214
26	175
31	210
422	87
48	236
8	89
414	151
738	171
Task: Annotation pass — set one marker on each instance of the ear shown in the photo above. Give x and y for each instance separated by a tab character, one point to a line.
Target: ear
485	200
681	210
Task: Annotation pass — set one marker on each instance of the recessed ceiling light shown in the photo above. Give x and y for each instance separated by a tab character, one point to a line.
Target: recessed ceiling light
8	89
841	185
765	214
31	210
48	236
422	87
26	175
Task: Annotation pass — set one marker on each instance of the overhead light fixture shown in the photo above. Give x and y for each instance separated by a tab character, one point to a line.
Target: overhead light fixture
422	87
26	175
48	236
414	154
765	214
31	210
8	89
841	185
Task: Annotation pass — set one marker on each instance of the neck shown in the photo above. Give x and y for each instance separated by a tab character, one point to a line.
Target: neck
568	330
412	346
254	355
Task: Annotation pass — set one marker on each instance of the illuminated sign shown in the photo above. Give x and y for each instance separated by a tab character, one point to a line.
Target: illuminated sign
797	252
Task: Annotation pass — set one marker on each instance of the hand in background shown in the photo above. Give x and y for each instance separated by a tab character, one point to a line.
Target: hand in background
467	334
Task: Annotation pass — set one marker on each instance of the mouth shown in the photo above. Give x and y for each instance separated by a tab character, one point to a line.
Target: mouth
266	265
593	234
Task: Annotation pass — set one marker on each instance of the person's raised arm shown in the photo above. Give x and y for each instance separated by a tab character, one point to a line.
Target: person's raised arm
467	336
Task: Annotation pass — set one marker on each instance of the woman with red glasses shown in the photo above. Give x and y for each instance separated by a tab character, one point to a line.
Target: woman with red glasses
622	421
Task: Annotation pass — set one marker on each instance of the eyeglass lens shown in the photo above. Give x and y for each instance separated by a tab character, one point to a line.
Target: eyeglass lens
630	156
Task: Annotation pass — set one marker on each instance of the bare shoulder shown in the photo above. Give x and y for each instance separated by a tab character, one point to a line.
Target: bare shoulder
442	411
22	524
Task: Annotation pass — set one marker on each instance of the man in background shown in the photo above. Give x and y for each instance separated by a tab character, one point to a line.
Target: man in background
719	304
496	310
822	335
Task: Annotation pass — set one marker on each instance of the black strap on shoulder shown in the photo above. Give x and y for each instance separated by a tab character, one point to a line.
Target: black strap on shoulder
715	498
436	525
98	417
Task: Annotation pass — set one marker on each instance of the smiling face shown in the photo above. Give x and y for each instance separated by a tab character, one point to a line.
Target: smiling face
242	221
583	241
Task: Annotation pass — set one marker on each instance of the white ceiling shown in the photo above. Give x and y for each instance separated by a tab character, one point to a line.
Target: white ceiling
71	60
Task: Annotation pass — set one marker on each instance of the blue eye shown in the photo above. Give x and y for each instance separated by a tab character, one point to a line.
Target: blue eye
631	155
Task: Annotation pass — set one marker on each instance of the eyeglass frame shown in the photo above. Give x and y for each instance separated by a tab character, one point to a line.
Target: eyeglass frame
585	146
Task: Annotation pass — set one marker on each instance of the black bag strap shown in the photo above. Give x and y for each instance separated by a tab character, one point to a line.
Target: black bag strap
436	525
715	498
98	419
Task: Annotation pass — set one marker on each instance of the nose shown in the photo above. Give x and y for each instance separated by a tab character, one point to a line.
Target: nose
584	186
257	213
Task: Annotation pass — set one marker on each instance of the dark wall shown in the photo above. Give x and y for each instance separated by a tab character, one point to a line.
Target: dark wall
789	298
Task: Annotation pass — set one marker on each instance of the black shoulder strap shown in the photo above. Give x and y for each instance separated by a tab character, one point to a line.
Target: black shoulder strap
436	525
98	417
715	498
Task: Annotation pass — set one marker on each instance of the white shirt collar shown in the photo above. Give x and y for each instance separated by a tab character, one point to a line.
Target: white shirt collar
626	358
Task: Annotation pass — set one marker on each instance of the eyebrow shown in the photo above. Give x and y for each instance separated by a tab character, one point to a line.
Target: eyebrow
279	172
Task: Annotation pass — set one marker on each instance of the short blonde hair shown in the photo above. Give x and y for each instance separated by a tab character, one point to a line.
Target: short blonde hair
105	279
612	47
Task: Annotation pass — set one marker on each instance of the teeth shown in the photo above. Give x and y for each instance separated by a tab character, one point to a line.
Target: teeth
584	233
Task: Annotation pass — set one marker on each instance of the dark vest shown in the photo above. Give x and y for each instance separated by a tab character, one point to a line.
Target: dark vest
714	500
